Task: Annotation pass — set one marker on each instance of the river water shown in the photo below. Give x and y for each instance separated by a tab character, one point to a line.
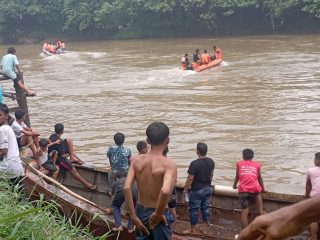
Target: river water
265	96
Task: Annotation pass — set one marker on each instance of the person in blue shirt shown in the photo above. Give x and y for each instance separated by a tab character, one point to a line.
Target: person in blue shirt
10	68
119	157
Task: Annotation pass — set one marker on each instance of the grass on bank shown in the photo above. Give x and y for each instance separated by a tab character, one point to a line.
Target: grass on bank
39	220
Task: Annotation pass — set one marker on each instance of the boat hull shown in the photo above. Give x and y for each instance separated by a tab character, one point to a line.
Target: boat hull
225	207
211	64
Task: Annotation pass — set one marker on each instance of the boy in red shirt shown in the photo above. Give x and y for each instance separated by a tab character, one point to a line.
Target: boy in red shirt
250	184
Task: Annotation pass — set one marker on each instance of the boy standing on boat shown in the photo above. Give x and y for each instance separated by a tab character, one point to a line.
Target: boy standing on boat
10	163
205	57
313	190
200	174
119	157
250	184
156	176
118	200
142	147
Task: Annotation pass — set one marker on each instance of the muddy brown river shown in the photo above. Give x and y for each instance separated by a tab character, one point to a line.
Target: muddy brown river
264	96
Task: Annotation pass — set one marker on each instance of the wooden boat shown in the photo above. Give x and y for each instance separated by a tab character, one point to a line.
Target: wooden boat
84	204
212	64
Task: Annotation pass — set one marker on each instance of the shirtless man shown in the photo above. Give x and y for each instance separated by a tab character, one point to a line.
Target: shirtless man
156	176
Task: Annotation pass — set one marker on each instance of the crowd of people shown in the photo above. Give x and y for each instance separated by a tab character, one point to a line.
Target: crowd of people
57	47
146	182
200	58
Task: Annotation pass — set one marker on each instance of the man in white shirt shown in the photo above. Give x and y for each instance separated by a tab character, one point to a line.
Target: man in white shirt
10	163
26	136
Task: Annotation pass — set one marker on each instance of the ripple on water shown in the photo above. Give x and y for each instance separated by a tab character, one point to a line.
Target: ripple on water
264	96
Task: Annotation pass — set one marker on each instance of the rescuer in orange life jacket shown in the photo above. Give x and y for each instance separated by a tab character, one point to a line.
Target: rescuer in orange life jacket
205	57
185	62
217	53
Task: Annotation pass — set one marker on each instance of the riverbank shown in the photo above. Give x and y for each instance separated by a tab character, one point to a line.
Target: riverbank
39	219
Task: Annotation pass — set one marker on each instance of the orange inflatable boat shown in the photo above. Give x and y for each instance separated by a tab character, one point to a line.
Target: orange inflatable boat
202	67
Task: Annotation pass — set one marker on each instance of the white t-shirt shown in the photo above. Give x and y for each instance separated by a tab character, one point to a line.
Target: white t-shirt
44	157
17	128
11	165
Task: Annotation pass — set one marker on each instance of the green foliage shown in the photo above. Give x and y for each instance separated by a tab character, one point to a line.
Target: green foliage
39	220
312	7
144	18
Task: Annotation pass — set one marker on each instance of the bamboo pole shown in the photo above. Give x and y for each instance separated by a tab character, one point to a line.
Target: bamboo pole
65	189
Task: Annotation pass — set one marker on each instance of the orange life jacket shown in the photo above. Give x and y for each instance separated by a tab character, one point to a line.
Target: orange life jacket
218	54
52	48
205	58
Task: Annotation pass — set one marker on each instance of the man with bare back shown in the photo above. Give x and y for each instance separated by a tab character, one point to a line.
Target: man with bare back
156	177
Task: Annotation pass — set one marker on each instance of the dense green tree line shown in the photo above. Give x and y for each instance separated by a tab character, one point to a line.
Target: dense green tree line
152	18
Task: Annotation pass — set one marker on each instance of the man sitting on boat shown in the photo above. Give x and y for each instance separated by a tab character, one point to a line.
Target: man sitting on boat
64	147
196	59
10	163
217	53
205	57
26	137
48	161
62	46
185	64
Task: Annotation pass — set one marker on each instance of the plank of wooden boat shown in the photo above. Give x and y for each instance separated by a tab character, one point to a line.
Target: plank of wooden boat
225	207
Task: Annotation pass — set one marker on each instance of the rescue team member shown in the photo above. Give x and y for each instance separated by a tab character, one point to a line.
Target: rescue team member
196	59
217	54
62	45
185	62
45	46
205	57
196	56
52	48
